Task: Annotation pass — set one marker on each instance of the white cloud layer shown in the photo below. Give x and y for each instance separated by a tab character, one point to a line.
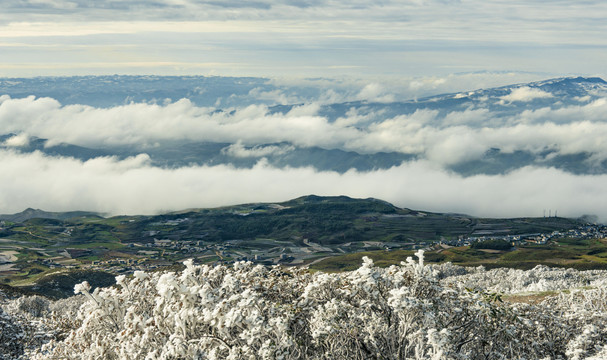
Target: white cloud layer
132	186
443	139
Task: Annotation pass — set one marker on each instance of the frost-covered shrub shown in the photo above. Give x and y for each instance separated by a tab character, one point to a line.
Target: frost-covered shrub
36	321
540	278
67	307
585	313
246	311
447	270
12	337
35	306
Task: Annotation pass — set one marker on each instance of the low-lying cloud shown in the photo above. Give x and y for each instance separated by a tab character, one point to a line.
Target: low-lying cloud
133	186
240	151
443	138
525	94
17	141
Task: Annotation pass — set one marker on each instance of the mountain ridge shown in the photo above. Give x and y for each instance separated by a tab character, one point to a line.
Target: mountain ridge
31	213
370	204
140	87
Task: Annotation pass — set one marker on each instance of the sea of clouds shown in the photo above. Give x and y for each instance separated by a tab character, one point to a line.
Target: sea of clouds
439	139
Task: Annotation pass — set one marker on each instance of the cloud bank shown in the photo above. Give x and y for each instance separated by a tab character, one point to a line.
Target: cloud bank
132	186
443	138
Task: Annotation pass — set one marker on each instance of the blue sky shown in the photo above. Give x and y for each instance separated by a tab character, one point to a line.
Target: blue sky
391	38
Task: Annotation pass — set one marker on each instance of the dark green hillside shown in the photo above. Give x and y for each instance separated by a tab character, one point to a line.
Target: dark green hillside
296	232
325	220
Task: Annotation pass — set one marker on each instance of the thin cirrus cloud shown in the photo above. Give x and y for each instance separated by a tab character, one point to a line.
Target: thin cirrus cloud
301	38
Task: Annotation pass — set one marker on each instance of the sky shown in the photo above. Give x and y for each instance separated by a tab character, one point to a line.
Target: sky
302	38
386	50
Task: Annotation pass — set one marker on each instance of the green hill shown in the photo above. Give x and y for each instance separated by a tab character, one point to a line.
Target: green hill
296	232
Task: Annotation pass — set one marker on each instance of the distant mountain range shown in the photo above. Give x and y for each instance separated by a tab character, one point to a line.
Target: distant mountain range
322	219
116	90
563	91
107	91
30	213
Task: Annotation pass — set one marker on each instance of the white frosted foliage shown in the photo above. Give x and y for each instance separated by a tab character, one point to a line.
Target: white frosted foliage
410	311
